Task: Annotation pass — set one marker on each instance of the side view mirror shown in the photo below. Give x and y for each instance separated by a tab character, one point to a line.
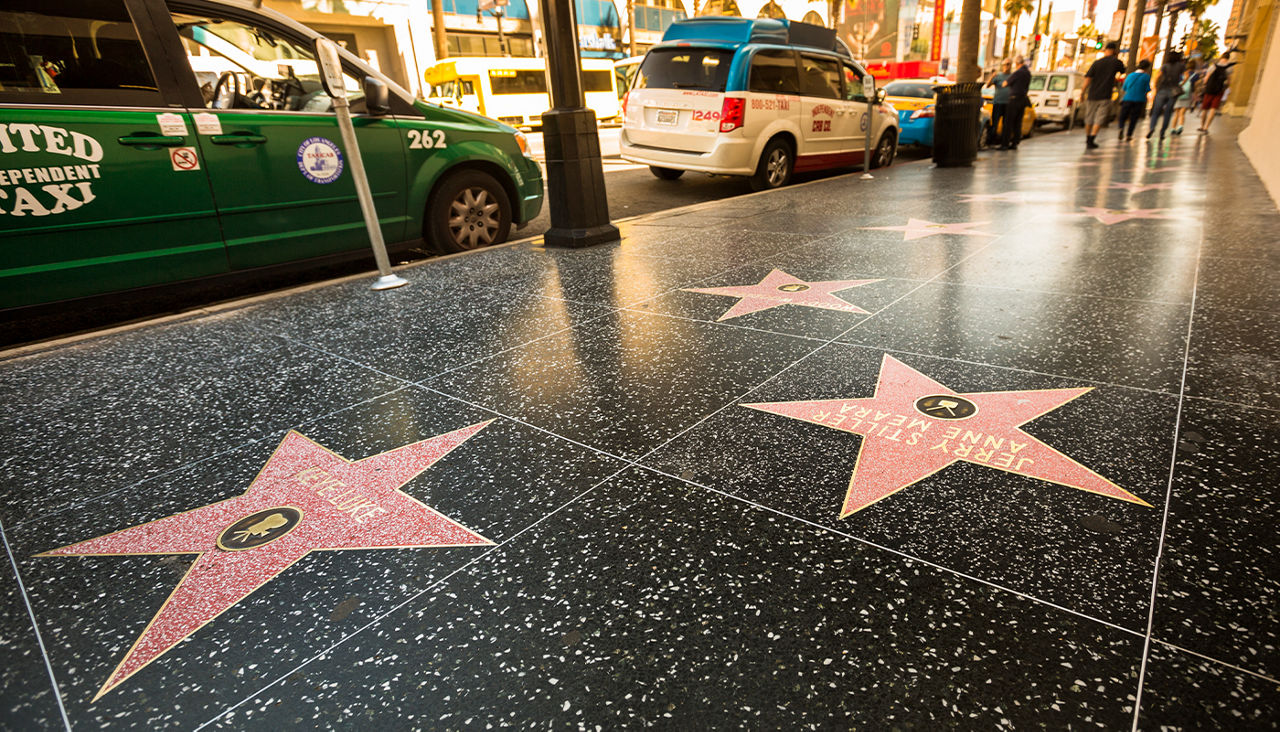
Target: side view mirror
880	95
376	99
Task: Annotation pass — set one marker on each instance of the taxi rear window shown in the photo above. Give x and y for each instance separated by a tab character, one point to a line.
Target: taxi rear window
1037	83
61	48
1057	83
700	69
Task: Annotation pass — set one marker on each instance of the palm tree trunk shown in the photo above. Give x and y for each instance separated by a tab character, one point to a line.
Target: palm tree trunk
970	27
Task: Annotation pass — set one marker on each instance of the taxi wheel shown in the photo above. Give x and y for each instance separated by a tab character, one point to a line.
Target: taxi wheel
468	211
665	173
885	151
774	169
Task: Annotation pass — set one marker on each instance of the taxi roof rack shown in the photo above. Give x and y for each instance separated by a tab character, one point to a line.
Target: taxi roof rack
725	29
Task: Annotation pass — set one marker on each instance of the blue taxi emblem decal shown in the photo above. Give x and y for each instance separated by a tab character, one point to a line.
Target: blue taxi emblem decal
320	160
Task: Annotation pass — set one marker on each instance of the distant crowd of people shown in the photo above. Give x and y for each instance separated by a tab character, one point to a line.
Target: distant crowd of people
1181	85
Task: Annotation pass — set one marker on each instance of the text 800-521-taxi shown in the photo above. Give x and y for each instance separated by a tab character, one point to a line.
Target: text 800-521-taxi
147	142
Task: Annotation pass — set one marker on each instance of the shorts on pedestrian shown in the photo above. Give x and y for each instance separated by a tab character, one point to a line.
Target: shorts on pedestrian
1212	101
1096	111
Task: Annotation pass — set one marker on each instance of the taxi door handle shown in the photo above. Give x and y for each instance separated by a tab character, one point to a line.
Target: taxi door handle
238	139
151	141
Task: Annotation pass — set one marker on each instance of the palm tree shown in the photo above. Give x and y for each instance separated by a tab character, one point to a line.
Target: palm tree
1014	9
1197	9
968	68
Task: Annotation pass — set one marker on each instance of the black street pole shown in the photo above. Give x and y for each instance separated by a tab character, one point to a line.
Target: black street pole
575	172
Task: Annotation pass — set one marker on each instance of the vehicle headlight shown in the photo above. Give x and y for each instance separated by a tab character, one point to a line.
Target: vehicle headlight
522	142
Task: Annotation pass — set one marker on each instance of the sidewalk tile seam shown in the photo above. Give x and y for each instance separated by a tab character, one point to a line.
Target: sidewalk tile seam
889	550
1015	369
35	627
375	621
192	463
1064	293
1229	403
1211	659
1168	496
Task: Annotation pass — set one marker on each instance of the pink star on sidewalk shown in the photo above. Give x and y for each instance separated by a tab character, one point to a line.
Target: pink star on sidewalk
305	499
1008	196
779	288
919	229
1140	187
1109	216
913	427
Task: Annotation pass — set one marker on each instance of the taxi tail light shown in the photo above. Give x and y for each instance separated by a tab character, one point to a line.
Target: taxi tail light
624	103
732	113
922	113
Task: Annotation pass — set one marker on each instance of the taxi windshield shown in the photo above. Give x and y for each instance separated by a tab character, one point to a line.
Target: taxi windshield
240	66
915	90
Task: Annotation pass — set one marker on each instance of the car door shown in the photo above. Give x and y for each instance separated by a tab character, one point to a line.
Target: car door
279	170
855	123
101	186
822	110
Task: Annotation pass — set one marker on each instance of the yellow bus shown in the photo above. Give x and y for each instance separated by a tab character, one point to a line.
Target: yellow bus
514	90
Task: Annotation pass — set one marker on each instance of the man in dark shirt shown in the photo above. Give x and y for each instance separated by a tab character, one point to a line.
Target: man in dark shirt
1018	83
1099	83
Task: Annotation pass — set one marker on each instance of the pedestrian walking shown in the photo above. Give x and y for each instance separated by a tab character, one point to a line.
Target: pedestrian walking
1186	98
1018	84
1133	99
1168	89
1000	99
1099	84
1215	87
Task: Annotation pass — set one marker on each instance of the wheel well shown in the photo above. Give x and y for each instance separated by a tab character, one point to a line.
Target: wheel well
786	137
484	166
891	133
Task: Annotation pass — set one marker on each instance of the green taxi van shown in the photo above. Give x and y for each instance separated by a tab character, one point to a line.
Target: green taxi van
153	142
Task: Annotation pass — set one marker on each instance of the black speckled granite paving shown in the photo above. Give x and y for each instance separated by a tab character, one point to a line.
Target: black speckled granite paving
954	448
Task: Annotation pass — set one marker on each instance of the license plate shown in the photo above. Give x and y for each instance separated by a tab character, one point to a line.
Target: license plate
668	117
1051	102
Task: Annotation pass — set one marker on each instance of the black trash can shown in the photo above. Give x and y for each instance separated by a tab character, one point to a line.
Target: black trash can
956	124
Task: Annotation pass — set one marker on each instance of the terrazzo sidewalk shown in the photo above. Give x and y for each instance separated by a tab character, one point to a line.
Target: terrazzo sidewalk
964	448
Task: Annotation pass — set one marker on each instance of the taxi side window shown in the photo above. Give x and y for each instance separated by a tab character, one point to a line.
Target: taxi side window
853	84
86	51
774	72
819	77
242	66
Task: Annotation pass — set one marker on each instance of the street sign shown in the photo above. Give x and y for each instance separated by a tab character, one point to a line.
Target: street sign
330	68
331	78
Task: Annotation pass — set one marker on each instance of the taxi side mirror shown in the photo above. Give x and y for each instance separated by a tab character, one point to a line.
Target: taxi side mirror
376	98
880	95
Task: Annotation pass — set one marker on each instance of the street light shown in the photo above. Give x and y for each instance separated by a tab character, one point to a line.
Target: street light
495	8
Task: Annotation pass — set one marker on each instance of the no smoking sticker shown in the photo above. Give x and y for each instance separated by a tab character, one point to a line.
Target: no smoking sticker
184	158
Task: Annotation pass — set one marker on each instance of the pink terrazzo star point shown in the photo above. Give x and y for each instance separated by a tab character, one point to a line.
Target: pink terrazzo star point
306	498
1007	197
1141	187
914	427
779	288
1109	216
920	229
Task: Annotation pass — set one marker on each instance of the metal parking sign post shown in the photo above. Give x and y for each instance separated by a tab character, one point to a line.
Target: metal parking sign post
868	91
331	79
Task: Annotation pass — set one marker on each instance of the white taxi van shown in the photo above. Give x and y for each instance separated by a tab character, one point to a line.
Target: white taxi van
761	98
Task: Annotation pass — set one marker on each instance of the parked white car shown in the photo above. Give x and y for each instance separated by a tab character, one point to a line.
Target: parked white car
761	98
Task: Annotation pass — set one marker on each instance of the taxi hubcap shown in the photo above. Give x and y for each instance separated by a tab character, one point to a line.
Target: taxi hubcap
473	218
776	167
